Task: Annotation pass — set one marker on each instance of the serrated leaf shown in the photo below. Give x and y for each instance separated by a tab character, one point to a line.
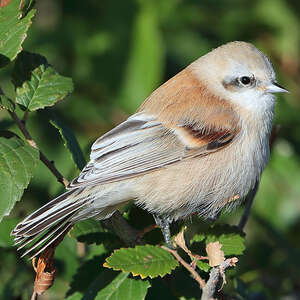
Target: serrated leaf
25	63
12	30
45	88
144	261
123	288
198	238
232	243
204	266
37	83
70	142
17	163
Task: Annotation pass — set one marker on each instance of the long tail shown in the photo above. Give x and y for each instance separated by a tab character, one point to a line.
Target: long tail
49	223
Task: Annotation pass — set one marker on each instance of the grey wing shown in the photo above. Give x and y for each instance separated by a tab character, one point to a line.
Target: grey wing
138	145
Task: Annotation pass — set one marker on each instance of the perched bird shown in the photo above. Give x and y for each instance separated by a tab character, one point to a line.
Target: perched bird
197	144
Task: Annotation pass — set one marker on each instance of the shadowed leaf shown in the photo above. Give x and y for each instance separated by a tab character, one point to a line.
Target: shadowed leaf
123	287
37	84
70	142
17	163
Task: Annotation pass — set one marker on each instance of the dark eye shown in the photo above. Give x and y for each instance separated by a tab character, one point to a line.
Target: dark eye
245	80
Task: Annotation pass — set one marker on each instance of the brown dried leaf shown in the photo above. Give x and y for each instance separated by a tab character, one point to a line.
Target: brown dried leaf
215	254
180	241
44	271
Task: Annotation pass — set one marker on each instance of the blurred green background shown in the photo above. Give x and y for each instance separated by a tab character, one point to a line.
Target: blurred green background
117	52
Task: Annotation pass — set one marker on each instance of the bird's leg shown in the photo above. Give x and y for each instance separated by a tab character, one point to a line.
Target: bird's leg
164	224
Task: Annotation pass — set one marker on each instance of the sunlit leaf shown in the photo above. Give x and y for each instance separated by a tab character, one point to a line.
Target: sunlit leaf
12	30
144	261
37	84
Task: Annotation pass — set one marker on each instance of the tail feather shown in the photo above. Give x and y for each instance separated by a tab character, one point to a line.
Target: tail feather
52	221
36	226
44	209
64	228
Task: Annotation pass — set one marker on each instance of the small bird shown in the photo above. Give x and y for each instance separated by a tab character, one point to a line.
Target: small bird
197	144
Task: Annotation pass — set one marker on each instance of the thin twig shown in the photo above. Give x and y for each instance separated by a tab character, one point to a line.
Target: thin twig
34	296
25	116
49	164
187	266
217	279
247	210
128	234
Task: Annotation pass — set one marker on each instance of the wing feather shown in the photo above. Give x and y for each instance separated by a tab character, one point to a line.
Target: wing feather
142	144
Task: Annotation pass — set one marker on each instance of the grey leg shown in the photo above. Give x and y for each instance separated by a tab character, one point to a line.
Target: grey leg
164	224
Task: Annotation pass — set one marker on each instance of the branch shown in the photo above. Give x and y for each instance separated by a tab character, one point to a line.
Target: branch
249	203
49	164
217	279
128	234
187	266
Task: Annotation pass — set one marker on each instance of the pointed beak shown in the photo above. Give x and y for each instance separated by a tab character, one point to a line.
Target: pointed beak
274	87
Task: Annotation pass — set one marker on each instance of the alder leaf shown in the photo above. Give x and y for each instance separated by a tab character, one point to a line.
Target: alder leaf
17	164
37	83
122	288
144	261
13	30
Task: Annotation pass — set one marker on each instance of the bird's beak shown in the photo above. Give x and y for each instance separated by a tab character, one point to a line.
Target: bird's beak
274	87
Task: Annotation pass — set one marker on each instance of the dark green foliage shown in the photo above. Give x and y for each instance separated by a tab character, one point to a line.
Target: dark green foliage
117	52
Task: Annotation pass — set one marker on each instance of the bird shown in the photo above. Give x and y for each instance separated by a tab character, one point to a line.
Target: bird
197	145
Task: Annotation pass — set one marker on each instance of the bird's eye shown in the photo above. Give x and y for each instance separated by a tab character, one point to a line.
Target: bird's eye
245	80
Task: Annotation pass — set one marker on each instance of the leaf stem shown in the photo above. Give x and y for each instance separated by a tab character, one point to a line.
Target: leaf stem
187	266
49	164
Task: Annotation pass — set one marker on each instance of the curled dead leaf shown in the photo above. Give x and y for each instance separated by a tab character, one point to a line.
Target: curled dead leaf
45	271
215	254
180	241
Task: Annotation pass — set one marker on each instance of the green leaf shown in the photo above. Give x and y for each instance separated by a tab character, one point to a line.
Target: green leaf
123	288
6	103
13	30
232	241
232	244
198	238
70	142
17	163
37	84
144	261
85	227
204	266
6	226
